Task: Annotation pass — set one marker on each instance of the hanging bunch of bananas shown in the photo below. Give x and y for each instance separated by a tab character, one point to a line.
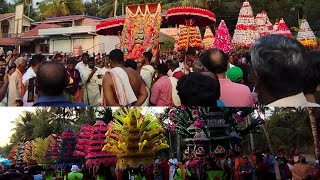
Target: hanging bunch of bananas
134	138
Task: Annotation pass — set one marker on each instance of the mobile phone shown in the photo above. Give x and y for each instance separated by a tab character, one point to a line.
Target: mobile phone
31	87
2	72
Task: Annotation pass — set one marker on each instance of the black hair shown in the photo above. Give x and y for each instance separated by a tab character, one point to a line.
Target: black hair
174	64
91	59
312	79
163	69
36	59
71	60
85	55
191	52
215	60
58	55
51	79
116	56
148	55
197	89
130	63
278	62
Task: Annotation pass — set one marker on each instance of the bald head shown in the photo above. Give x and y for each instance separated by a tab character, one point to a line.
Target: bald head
51	79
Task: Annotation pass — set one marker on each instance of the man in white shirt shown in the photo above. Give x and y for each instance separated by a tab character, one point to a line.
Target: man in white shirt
173	163
36	61
80	67
82	64
278	64
147	72
91	86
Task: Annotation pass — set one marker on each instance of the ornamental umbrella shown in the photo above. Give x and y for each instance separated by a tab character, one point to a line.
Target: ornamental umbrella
191	16
110	27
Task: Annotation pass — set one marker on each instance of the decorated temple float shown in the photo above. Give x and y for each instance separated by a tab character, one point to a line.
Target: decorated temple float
306	36
135	139
204	129
141	30
246	31
189	20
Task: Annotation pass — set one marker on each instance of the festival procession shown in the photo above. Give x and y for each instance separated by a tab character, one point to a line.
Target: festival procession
159	90
131	59
162	144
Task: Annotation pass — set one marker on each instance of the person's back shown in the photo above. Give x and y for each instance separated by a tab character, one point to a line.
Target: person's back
75	176
116	83
135	80
235	94
302	171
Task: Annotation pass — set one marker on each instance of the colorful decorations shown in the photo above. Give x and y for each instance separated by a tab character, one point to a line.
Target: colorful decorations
95	156
197	16
246	32
141	30
27	156
275	26
20	153
40	149
83	141
223	39
208	39
65	155
12	154
283	29
264	25
134	138
306	35
219	125
189	37
190	17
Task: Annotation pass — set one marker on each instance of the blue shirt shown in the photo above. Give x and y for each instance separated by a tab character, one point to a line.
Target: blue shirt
220	103
270	160
57	101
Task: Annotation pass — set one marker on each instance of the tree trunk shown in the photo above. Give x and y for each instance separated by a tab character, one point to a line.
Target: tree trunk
178	147
251	135
315	130
264	127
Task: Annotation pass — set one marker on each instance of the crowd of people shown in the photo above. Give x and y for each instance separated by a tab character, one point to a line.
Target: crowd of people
260	165
277	71
39	173
232	165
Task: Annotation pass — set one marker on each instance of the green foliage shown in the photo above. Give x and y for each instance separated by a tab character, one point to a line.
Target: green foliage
167	45
6	7
54	8
288	128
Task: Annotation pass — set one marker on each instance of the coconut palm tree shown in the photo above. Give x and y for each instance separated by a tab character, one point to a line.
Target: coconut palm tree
23	127
315	130
109	6
55	8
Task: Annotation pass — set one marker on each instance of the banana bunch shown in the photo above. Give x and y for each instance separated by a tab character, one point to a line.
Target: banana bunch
134	138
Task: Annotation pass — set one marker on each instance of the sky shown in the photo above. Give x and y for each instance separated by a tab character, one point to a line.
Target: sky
7	115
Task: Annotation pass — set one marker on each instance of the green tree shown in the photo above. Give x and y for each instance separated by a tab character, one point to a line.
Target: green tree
55	8
6	7
288	128
23	128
